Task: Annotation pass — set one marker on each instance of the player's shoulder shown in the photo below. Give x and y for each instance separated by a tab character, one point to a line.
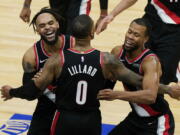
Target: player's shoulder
30	52
116	50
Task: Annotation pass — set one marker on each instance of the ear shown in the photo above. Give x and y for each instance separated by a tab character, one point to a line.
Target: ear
92	33
36	30
57	23
146	38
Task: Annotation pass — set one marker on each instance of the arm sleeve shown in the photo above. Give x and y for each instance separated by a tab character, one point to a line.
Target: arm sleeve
27	77
103	4
28	91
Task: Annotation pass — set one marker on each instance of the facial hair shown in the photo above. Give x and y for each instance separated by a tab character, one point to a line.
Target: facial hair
53	42
130	49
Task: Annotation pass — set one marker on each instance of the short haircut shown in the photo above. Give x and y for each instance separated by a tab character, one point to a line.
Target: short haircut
82	26
53	12
144	22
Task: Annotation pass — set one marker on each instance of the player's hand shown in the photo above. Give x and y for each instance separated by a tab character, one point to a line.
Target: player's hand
5	92
25	14
37	75
99	21
174	91
103	23
107	94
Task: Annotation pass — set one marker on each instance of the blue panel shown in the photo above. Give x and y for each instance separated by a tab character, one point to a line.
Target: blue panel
21	117
106	128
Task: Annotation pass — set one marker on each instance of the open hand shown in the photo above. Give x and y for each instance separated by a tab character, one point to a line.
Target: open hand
103	23
5	92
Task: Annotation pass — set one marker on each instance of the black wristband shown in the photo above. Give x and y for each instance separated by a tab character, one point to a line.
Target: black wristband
103	4
28	91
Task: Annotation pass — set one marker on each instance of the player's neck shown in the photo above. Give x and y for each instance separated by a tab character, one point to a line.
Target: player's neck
51	49
83	44
135	53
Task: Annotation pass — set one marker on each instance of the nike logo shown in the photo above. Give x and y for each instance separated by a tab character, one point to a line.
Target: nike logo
42	61
150	123
122	60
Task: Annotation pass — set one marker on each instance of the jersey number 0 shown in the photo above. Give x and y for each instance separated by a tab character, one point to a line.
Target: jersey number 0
81	92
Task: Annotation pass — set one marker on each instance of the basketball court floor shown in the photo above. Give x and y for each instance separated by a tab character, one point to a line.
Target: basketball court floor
16	37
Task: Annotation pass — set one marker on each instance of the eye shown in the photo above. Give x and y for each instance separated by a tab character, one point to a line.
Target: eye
51	23
136	34
129	31
41	25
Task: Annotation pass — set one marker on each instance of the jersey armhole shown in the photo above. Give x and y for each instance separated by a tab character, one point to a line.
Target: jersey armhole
36	56
101	59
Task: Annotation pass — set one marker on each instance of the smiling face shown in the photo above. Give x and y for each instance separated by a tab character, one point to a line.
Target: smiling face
47	27
135	37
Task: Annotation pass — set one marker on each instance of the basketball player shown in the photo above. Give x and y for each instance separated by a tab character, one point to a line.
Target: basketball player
150	113
164	16
46	25
77	71
69	9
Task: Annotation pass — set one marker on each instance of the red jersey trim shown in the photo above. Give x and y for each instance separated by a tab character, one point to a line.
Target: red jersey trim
167	126
63	41
171	14
101	59
79	52
88	9
137	58
54	123
43	49
36	56
149	110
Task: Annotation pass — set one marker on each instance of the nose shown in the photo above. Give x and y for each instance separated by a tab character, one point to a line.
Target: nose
47	26
130	36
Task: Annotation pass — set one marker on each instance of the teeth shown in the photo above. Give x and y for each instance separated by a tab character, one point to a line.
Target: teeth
49	33
128	42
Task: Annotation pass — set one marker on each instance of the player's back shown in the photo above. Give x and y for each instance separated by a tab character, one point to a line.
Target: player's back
80	80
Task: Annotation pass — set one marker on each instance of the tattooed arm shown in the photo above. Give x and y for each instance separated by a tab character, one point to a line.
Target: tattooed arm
114	67
29	65
35	87
172	90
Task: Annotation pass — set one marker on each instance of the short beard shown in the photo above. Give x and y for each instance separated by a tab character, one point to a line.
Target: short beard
130	50
53	42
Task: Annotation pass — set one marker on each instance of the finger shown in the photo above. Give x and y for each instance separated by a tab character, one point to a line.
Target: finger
99	27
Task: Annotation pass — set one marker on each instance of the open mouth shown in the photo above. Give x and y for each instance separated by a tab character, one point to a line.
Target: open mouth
129	44
50	35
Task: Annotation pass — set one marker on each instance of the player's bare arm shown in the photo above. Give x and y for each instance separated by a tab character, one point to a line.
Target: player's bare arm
172	90
50	72
29	65
149	84
26	11
35	87
29	62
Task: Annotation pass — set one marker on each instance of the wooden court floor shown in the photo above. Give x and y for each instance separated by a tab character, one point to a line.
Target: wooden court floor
16	37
